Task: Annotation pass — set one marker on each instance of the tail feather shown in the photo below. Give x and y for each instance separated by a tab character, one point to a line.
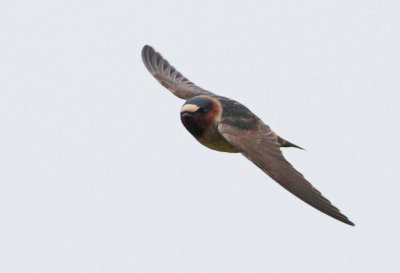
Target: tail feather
285	143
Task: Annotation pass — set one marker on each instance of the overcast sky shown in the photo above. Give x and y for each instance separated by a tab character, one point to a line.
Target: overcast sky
99	175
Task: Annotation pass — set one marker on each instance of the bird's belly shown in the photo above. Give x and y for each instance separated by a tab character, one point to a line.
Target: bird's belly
215	141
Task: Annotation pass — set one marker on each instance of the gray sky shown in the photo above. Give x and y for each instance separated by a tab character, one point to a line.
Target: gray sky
99	175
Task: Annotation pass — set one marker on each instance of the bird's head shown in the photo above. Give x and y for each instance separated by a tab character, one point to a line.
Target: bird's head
198	114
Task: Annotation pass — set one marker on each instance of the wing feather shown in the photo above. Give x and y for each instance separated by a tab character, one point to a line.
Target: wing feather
168	76
261	147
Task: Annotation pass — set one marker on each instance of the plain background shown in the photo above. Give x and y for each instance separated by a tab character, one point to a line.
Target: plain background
99	175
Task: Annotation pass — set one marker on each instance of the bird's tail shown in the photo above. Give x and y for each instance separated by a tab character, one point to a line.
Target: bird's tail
285	143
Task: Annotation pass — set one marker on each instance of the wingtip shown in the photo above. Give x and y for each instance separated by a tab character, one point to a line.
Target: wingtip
345	220
150	58
146	49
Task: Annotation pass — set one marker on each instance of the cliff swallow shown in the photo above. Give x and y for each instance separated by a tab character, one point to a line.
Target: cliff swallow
226	125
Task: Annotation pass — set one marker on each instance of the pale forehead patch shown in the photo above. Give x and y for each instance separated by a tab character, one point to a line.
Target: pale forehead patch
190	108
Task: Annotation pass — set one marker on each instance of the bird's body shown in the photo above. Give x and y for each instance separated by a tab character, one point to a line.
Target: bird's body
222	109
225	125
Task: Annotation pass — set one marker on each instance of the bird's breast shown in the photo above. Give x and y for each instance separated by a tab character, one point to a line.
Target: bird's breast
206	132
215	141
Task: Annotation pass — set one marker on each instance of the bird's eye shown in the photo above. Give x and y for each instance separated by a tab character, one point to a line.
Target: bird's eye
203	110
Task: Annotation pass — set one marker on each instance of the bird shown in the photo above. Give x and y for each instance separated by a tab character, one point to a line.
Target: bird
225	125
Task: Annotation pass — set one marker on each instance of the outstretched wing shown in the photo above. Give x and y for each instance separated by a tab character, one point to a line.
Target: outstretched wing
168	76
261	147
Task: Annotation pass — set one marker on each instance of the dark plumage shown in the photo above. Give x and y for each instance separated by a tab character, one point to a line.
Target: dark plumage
226	125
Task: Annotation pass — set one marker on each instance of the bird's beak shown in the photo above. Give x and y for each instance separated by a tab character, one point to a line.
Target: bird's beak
186	116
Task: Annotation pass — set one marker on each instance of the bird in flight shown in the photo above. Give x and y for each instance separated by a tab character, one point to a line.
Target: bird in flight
225	125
